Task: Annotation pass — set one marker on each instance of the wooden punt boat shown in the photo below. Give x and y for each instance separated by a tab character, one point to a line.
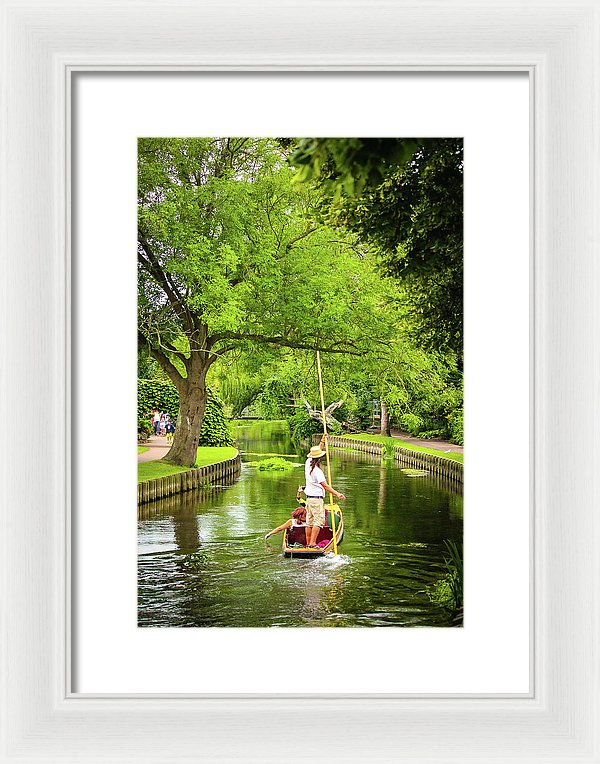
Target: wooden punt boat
292	536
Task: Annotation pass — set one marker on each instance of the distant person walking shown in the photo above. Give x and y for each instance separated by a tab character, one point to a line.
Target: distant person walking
169	429
156	421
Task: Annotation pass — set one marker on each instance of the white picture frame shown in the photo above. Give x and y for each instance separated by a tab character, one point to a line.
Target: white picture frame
44	44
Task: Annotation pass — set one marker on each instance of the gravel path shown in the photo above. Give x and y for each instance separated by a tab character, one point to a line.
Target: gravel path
442	445
157	448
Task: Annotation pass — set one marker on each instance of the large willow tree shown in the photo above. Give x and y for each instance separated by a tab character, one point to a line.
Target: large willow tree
229	256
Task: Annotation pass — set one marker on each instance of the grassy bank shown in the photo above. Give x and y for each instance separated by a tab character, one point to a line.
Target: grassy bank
403	444
206	455
142	449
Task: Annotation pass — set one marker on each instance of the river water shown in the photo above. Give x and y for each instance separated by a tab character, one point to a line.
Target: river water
203	560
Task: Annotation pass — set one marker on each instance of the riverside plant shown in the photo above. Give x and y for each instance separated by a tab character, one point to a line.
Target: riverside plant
447	592
387	451
274	464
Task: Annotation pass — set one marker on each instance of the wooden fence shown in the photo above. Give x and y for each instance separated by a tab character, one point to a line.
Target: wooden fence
439	466
159	488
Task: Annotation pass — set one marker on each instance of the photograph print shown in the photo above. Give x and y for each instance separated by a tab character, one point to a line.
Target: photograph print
300	382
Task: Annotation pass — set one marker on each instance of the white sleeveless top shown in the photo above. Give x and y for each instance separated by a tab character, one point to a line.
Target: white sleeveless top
313	487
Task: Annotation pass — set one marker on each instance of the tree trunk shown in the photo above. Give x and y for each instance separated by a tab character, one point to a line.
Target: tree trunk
385	419
382	502
192	404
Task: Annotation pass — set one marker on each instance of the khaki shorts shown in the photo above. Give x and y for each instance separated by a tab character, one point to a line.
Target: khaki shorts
315	512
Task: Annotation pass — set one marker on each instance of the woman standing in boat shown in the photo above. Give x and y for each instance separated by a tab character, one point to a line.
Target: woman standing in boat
315	488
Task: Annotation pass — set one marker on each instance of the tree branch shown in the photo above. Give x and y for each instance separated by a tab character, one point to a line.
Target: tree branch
171	371
296	239
215	355
150	262
317	414
282	341
333	407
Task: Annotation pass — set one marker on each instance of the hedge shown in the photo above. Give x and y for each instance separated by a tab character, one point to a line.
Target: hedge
157	393
163	395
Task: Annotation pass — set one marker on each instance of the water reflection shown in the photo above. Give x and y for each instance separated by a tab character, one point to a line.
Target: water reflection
203	560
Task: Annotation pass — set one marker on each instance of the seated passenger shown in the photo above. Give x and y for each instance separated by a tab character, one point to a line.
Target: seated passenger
297	520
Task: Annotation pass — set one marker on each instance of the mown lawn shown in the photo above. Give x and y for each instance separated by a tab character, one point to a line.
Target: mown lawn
206	455
142	449
398	442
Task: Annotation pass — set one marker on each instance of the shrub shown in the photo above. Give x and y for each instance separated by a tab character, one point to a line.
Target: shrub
361	414
215	428
456	424
144	427
334	428
302	426
428	434
412	424
340	416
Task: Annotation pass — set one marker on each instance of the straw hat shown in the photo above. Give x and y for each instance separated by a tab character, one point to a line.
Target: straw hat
315	453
